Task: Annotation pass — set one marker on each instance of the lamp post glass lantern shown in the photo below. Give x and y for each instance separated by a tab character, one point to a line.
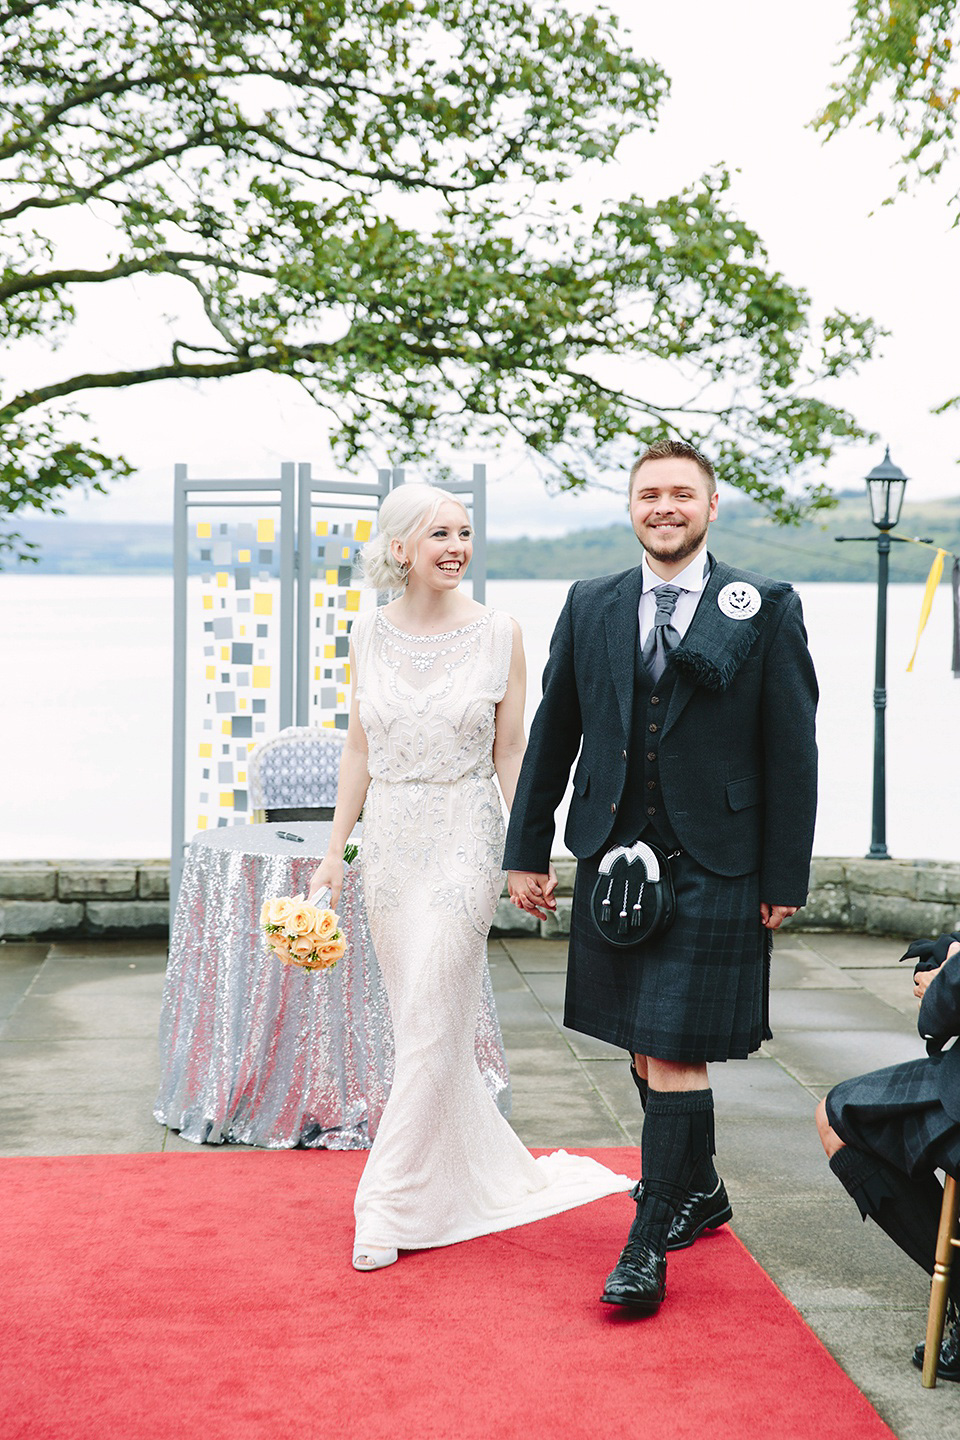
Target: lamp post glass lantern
885	486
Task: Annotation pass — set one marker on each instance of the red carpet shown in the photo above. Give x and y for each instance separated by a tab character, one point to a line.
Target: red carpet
210	1297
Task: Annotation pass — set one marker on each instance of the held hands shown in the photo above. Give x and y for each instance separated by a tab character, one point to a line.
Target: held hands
773	916
923	977
532	892
329	873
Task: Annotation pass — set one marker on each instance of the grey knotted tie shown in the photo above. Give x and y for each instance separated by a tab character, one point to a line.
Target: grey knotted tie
663	637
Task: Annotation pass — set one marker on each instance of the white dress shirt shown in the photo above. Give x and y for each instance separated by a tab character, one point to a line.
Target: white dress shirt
689	582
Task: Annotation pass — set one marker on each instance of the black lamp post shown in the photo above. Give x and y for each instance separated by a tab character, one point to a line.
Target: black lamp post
885	486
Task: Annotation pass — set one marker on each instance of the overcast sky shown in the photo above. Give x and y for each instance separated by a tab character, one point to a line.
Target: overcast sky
747	78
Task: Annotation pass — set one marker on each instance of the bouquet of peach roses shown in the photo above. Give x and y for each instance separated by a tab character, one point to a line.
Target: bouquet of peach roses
302	934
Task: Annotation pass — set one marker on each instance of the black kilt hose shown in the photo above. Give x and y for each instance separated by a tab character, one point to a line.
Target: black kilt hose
699	992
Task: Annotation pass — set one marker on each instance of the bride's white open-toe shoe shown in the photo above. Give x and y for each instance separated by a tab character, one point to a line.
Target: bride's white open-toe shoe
366	1257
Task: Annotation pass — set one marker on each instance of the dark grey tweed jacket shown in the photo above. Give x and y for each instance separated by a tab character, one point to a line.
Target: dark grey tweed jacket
738	757
939	1022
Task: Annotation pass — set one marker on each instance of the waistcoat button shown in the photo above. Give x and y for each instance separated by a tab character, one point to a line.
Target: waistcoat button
651	809
653	729
654	699
651	754
651	784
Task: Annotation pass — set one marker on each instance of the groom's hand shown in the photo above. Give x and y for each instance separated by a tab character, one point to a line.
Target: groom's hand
532	892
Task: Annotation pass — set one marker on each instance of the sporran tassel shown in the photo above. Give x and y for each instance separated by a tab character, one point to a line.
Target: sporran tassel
637	915
605	907
622	926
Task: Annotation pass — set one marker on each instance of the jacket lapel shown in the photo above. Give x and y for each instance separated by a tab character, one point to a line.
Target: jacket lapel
622	627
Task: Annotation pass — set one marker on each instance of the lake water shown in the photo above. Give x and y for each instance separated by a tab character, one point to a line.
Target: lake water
86	713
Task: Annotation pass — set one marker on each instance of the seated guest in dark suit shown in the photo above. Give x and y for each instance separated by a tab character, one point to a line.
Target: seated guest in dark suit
886	1133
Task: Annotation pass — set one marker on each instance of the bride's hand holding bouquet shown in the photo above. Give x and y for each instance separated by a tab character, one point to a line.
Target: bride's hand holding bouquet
302	934
328	876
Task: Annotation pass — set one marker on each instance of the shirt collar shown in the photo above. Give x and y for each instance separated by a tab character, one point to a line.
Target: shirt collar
692	577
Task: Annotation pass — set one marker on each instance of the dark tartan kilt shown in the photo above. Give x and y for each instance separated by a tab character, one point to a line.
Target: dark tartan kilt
699	992
896	1113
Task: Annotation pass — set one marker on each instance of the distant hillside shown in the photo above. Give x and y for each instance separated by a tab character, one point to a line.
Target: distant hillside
742	535
79	547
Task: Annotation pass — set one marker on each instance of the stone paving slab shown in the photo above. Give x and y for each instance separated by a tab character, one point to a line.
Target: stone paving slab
93	1122
826	1010
855	951
44	1069
800	969
822	1058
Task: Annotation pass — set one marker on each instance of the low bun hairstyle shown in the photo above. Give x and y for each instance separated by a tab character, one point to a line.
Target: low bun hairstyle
404	515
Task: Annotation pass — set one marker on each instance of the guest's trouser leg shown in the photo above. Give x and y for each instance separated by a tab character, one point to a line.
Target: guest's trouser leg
908	1210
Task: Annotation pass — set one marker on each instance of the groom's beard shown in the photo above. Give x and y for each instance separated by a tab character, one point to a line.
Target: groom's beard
684	545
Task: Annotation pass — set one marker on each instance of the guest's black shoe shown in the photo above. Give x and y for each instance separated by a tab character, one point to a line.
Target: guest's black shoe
639	1278
948	1366
699	1212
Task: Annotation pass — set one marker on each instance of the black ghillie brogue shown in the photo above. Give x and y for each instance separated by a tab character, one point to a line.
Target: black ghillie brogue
639	1278
699	1212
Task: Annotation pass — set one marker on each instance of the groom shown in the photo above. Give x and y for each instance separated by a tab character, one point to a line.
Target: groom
687	688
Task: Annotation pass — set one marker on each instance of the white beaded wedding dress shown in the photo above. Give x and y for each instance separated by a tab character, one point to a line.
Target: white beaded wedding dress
445	1165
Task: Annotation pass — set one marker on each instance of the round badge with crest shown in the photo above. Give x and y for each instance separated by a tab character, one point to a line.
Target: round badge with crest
739	601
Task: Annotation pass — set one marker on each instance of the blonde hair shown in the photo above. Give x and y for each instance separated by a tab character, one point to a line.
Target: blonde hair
404	515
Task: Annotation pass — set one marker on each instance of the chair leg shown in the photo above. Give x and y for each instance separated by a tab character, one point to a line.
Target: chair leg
940	1286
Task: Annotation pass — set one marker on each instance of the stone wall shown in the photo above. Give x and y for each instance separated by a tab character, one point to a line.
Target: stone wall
872	897
71	898
66	899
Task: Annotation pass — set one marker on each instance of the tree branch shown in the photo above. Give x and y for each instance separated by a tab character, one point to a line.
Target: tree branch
280	362
161	262
84	193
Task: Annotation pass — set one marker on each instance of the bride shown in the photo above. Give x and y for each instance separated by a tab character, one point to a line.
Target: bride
437	710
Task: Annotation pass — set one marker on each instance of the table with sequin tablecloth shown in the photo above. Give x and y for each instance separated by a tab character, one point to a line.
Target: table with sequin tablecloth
260	1053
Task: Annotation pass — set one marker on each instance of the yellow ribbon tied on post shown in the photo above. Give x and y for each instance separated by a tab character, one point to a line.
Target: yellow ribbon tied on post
933	580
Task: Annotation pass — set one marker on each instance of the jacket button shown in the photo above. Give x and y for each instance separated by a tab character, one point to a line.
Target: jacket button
624	754
613	807
651	754
651	809
653	729
654	699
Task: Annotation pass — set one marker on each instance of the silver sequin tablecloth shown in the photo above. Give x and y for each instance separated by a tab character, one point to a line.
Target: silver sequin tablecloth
265	1054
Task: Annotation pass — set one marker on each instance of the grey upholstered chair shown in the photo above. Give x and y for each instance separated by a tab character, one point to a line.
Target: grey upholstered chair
293	775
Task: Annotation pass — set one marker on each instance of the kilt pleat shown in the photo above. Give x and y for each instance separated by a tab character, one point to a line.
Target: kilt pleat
896	1113
697	993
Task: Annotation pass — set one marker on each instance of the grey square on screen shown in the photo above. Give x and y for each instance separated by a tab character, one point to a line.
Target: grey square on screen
241	653
226	702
